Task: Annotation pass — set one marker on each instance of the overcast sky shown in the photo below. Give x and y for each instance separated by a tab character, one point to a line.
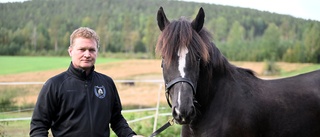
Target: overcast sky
5	1
306	9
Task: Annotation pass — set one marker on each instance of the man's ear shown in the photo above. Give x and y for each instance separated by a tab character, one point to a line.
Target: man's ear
69	51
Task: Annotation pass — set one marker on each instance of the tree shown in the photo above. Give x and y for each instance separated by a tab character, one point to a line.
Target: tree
312	43
54	31
259	26
271	42
44	26
150	36
102	30
4	35
295	54
126	34
220	29
87	22
235	42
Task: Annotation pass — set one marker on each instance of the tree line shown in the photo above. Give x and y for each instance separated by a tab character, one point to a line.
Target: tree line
43	27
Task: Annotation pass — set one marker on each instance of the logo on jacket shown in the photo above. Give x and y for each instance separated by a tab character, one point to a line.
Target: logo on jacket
100	91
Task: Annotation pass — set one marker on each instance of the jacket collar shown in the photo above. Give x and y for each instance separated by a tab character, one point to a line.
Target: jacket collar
80	73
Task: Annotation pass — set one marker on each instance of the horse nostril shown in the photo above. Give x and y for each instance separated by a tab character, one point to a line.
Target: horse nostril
185	116
175	112
193	111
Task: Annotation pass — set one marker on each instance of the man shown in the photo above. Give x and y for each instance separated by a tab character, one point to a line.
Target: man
80	102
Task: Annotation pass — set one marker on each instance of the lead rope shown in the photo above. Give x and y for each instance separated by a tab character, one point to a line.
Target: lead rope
165	126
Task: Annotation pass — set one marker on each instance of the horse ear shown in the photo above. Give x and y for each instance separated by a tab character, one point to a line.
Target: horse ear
197	23
162	19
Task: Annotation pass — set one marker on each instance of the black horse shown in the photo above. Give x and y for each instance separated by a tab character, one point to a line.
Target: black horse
212	98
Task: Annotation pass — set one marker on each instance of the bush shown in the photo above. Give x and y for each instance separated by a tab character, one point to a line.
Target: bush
6	101
271	68
2	131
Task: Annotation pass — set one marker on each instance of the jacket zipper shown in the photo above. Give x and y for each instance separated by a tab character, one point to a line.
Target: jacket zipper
89	106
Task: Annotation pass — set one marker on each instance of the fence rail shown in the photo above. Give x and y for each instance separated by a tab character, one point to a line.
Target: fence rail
156	109
124	111
116	81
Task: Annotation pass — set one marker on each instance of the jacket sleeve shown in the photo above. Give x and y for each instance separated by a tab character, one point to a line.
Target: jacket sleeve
118	123
42	115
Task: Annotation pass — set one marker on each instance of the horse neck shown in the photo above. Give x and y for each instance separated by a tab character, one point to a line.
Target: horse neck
211	75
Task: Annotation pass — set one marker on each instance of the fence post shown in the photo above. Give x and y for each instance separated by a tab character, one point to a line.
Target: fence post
157	110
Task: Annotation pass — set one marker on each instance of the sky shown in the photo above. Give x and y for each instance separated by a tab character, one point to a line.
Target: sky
306	9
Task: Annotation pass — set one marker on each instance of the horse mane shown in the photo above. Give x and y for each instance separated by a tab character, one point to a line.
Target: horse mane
178	34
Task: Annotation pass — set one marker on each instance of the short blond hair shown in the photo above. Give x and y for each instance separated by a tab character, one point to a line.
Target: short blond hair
84	32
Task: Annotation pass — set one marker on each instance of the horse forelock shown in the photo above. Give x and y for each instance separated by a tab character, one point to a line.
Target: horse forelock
179	34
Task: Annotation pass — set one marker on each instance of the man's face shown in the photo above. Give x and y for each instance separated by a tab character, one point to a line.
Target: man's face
83	53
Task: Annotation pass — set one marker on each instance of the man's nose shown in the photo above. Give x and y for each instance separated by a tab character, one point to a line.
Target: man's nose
87	53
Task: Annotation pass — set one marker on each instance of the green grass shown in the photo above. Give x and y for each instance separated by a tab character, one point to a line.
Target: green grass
301	70
15	128
20	64
143	127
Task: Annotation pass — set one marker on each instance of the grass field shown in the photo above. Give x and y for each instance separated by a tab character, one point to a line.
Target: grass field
15	128
29	69
301	70
20	64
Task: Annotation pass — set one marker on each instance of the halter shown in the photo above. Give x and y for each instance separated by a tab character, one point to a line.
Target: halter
175	81
168	85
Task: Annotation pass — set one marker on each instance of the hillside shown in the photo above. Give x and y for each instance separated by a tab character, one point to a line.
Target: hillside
42	27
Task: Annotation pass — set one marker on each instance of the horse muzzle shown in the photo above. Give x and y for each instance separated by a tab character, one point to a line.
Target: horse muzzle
184	116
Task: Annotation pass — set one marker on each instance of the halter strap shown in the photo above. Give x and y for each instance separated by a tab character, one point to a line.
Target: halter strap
174	81
165	126
179	79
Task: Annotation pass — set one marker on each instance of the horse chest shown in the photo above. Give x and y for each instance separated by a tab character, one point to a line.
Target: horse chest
219	121
221	128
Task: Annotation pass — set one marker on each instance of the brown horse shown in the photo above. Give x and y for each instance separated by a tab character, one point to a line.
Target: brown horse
212	98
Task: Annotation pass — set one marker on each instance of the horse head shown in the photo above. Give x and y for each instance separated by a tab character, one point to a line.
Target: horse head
182	50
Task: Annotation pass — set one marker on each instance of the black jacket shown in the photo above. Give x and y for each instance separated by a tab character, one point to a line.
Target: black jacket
72	104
